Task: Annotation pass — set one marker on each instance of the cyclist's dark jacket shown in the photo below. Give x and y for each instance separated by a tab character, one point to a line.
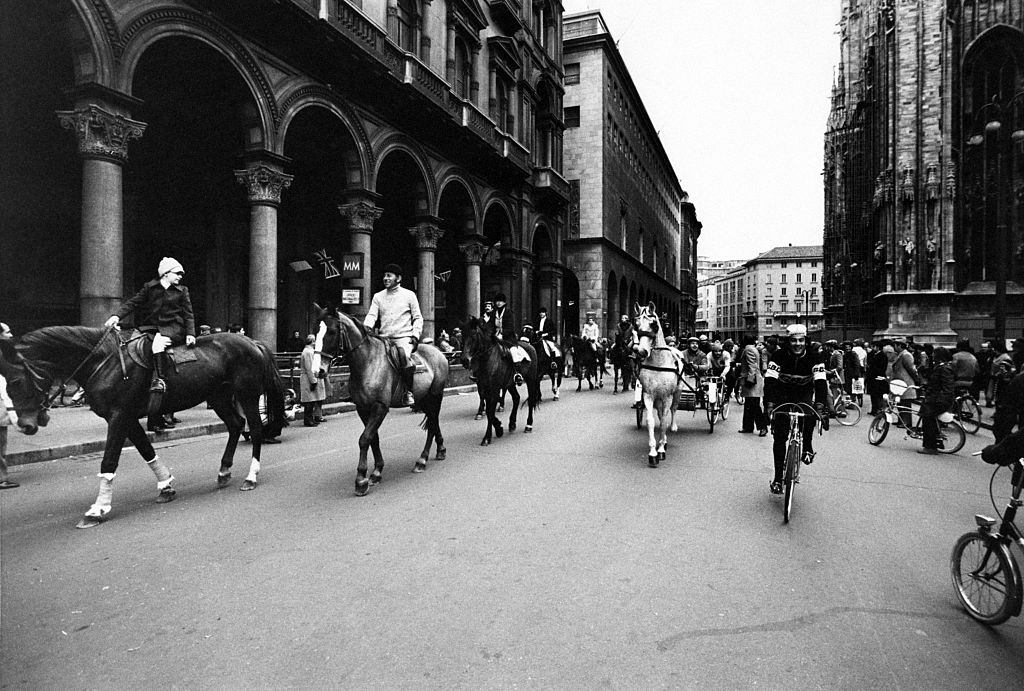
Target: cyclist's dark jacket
1005	452
941	391
792	379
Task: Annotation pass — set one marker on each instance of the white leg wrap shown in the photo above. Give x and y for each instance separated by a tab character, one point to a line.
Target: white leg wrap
254	471
638	393
103	500
163	475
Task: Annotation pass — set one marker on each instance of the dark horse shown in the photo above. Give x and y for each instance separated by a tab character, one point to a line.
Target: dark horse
483	354
589	363
623	361
230	371
549	365
375	386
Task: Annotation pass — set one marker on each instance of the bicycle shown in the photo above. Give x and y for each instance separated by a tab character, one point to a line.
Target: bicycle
717	403
951	433
794	449
967	411
845	409
985	573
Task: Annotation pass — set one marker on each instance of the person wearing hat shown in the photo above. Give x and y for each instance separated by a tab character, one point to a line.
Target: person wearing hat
8	418
704	344
395	314
163	309
505	328
938	399
794	376
546	330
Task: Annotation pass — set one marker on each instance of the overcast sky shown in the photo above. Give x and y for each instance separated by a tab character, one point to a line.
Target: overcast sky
739	90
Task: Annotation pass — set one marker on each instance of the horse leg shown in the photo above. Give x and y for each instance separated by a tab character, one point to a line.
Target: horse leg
252	416
116	433
652	453
226	411
663	420
492	403
378	457
431	408
140	440
371	419
434	418
483	403
514	415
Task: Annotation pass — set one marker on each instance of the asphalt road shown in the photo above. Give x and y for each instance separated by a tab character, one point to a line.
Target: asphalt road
556	559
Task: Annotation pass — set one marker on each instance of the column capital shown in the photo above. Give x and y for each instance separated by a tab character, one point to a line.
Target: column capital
101	134
474	248
263	183
360	215
427	234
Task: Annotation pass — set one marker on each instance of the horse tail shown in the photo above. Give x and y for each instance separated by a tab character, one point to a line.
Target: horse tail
273	389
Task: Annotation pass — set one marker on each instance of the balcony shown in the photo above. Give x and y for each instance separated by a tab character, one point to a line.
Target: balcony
547	181
507	14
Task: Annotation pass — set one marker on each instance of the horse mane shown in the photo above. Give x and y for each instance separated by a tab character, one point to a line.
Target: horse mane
58	346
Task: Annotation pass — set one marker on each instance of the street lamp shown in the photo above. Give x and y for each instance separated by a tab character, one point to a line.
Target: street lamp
844	273
995	135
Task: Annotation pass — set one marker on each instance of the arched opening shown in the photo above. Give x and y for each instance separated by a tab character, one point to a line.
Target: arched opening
611	309
181	197
634	295
571	323
403	195
457	220
625	306
40	171
310	227
495	275
543	288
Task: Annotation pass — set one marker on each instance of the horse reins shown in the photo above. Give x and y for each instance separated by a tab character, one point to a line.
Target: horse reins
35	377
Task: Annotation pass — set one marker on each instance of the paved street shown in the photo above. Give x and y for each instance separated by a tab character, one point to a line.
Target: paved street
556	559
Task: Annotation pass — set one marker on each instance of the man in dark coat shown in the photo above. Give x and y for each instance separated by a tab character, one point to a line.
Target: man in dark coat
161	308
505	329
938	399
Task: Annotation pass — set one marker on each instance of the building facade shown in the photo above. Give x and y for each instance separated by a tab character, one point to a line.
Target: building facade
713	268
273	147
625	239
706	321
924	227
729	303
782	287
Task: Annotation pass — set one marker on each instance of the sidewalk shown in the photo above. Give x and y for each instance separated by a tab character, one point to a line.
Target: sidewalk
78	431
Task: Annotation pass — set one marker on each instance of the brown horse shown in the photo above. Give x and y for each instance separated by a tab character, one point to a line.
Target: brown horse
229	371
375	386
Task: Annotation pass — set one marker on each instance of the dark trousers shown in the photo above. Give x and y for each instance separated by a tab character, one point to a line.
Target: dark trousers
877	403
310	412
930	425
1003	422
753	414
780	433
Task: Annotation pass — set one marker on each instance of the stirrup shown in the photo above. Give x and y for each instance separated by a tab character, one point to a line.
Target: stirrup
158	386
517	379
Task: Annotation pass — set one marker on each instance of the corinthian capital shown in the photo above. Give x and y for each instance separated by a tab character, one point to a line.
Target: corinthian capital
264	184
427	234
101	134
474	250
360	216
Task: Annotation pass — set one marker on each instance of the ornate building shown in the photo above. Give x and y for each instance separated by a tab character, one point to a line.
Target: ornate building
633	232
274	145
924	230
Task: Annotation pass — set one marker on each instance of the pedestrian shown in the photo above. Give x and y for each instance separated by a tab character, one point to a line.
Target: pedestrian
312	391
444	343
984	356
965	366
854	373
8	418
938	399
903	369
236	328
752	383
1010	408
875	380
295	343
457	338
395	314
205	330
163	309
1002	369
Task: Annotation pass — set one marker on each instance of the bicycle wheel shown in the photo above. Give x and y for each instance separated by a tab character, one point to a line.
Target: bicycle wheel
878	429
951	437
726	404
852	413
968	412
712	413
982	579
791	477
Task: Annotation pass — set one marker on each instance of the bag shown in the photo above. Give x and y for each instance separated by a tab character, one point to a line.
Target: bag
857	386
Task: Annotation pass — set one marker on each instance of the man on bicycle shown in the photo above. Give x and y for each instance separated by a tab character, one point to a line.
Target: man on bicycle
793	376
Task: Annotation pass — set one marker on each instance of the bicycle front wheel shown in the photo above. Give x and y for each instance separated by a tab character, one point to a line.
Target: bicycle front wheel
951	437
726	404
968	412
878	429
848	413
791	478
712	411
982	579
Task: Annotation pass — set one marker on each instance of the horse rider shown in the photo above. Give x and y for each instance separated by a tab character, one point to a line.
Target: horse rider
506	331
546	332
590	332
794	376
395	314
488	315
163	309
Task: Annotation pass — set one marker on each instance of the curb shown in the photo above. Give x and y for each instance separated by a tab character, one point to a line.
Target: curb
203	429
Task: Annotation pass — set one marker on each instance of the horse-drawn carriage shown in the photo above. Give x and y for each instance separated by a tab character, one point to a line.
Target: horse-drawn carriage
695	393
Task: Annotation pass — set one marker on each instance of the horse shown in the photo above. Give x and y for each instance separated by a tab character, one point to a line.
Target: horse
589	363
622	359
375	386
483	354
229	371
549	365
659	375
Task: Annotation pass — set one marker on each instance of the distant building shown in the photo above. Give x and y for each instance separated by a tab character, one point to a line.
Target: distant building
706	321
781	287
713	268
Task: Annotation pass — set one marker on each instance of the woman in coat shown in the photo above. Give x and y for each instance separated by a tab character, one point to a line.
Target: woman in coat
312	387
752	381
875	381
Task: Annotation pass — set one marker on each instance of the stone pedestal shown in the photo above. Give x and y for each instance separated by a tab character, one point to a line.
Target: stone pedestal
924	315
264	182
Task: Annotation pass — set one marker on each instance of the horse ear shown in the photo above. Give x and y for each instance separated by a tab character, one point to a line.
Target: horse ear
636	308
654	308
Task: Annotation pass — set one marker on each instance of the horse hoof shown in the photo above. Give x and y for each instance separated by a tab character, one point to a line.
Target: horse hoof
511	427
247	485
675	428
499	432
652	461
479	417
441	455
90	521
166	495
362	487
485	442
421	465
556	397
661	455
375	477
528	428
223	481
614	392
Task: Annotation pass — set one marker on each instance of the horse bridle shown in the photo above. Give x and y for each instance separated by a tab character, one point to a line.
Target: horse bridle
35	377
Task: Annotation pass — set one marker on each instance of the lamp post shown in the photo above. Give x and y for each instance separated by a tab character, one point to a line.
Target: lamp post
994	136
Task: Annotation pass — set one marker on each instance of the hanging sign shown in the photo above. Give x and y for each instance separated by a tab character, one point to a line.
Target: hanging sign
352	265
351	296
330	270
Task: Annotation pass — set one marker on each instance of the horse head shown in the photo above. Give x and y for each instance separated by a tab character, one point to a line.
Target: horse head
648	326
477	336
338	334
26	387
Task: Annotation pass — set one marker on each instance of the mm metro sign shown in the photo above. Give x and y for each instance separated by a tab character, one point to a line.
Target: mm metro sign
352	265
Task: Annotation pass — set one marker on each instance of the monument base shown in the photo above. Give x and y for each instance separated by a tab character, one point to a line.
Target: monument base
924	316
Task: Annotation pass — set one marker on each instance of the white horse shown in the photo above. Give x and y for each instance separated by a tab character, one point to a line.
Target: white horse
659	375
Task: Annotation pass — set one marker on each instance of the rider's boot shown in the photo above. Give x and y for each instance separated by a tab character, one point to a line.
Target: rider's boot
157	387
517	379
407	377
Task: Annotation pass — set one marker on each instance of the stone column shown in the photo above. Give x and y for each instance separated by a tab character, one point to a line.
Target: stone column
427	233
449	53
103	137
474	248
264	181
474	83
361	212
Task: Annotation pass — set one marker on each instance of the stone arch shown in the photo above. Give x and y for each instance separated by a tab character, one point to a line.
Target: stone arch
457	216
457	176
94	34
155	25
397	141
611	309
306	95
494	208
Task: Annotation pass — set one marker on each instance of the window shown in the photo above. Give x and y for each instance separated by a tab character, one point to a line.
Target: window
783	305
783	265
814	291
814	278
768	279
463	68
783	293
768	291
406	13
799	291
798	265
814	264
814	305
783	278
799	278
506	121
641	236
767	305
768	322
572	73
572	116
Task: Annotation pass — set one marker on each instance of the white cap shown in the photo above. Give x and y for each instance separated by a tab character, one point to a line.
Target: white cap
796	330
167	265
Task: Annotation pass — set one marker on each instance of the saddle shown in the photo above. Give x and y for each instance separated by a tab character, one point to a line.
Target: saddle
397	359
140	349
